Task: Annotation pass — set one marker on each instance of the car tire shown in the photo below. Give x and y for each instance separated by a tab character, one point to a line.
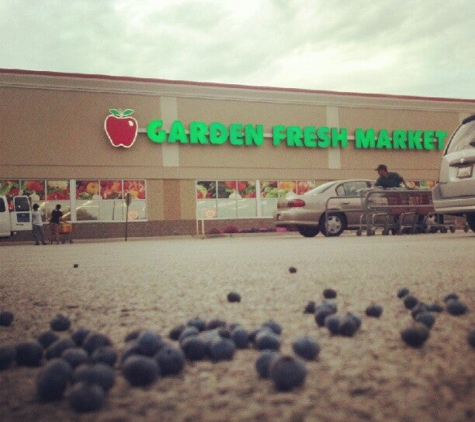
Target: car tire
335	226
308	231
471	221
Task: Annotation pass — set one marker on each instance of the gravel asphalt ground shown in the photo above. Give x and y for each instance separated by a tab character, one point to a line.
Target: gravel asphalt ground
118	287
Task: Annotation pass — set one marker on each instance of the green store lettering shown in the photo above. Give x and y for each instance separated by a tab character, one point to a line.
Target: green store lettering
237	134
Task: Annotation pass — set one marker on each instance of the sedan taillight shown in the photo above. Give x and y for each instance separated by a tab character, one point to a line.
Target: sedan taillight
296	203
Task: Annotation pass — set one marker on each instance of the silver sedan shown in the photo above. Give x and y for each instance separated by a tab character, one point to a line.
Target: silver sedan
341	199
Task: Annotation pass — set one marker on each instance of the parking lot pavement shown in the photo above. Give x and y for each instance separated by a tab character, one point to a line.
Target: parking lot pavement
117	287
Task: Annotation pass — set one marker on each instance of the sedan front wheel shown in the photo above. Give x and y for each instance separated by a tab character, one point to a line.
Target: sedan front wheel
333	225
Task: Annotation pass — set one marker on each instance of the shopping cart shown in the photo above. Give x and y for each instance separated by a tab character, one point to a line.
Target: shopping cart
66	232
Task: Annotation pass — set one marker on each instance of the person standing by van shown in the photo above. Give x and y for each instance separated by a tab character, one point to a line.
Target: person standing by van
55	222
37	222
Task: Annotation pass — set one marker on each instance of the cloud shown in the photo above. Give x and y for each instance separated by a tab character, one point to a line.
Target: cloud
400	47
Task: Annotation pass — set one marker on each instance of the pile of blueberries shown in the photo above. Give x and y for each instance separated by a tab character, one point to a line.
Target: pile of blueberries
81	366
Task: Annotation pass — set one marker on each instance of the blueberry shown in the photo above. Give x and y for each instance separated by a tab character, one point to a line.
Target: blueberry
188	332
170	360
75	356
85	397
79	335
175	332
471	337
267	340
223	332
419	308
332	322
98	373
274	326
306	347
198	323
348	326
131	348
149	343
264	361
240	336
310	307
56	349
140	371
456	307
329	304
287	372
356	319
194	348
53	379
435	307
374	310
60	323
104	354
451	296
329	294
75	265
410	301
6	318
292	270
402	292
222	349
7	356
215	323
425	318
234	297
47	338
29	353
95	340
321	314
415	335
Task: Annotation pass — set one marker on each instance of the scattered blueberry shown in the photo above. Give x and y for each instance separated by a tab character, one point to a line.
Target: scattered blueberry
274	326
306	347
451	296
374	310
131	348
329	294
425	318
435	307
419	308
222	349
310	307
287	372
75	265
322	313
356	319
104	354
133	335
85	397
188	332
98	373
292	270
47	338
267	340
198	323
75	356
53	379
29	353
456	307
6	318
234	297
402	292
415	335
264	361
149	343
7	356
215	323
471	337
348	326
56	349
410	301
194	348
60	323
170	360
79	335
140	371
175	332
95	340
240	336
332	322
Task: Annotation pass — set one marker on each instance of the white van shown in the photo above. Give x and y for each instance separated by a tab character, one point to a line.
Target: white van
16	217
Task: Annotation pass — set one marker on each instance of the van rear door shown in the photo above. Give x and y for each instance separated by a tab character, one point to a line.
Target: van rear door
20	217
5	230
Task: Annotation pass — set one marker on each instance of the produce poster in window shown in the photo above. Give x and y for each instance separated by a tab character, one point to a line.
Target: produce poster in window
235	189
286	188
111	189
269	189
10	188
205	189
136	188
87	189
35	189
57	190
304	186
247	189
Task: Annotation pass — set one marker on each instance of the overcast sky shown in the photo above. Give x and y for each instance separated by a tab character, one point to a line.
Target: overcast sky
406	47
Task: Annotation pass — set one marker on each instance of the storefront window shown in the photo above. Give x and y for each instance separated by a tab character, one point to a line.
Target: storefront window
206	204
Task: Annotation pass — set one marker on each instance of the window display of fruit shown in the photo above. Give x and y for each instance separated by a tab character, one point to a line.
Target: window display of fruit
86	189
111	189
10	188
287	187
269	189
136	188
205	190
57	190
33	187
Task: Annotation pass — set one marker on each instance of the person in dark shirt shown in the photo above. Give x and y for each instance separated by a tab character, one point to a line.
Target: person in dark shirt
388	179
55	222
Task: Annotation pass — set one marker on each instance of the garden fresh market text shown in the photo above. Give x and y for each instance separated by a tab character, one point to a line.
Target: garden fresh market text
237	134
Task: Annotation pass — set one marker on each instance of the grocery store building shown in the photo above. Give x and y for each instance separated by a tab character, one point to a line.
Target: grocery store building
188	151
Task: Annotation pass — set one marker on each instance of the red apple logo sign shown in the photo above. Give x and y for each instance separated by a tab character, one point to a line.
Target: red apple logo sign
121	129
